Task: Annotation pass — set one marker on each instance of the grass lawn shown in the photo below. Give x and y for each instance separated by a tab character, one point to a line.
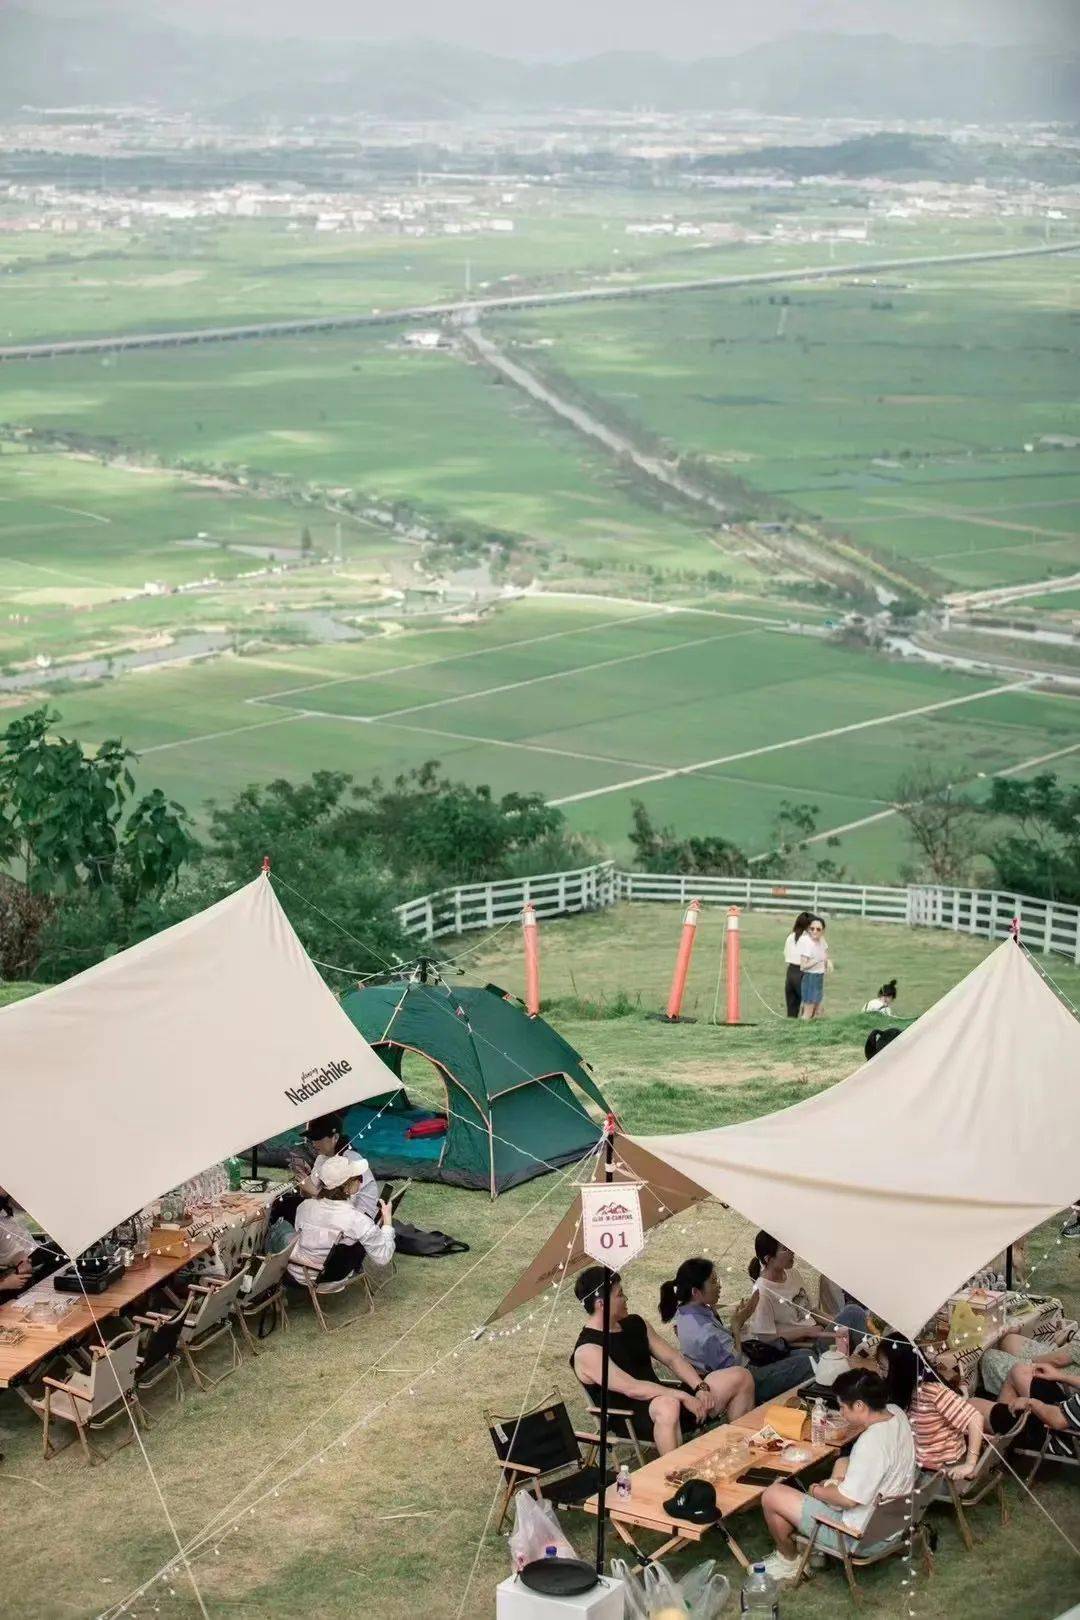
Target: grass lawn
391	1521
897	406
713	721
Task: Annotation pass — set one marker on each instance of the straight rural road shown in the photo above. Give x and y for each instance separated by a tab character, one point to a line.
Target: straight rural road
436	312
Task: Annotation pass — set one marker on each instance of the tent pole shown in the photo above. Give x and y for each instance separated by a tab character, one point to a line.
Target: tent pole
1009	1266
605	1357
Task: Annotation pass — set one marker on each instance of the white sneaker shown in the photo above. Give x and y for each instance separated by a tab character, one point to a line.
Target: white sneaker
781	1568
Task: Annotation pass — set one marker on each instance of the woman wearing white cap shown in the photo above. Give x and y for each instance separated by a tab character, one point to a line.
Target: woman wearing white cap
333	1234
326	1135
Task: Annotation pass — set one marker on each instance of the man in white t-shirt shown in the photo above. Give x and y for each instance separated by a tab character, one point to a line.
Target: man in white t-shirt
881	1465
327	1138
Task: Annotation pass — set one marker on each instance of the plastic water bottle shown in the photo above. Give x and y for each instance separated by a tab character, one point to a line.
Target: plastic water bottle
622	1483
819	1419
760	1595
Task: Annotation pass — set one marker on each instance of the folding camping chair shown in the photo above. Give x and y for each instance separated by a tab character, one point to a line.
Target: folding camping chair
209	1320
264	1298
92	1400
885	1530
989	1476
159	1349
621	1431
542	1448
318	1291
1058	1446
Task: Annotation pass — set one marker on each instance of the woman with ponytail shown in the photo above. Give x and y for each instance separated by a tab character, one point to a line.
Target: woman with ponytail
689	1300
781	1314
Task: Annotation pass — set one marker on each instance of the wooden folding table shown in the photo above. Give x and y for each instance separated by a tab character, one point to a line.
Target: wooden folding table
650	1488
37	1343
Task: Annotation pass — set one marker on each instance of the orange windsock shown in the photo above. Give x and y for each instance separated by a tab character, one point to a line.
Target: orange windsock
682	961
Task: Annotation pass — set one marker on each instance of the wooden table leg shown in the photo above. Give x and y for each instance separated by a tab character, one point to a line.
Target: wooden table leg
733	1545
673	1544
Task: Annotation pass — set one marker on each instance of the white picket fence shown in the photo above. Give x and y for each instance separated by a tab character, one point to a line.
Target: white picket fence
1045	925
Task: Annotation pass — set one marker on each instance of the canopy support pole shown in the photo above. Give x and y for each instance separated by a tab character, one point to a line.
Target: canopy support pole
605	1360
1009	1266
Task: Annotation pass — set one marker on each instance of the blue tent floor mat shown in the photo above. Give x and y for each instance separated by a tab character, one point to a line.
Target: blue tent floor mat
382	1140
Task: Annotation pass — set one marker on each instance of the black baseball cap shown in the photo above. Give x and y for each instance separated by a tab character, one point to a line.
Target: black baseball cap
695	1502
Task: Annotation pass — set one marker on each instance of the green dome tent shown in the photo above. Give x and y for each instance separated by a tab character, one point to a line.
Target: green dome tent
512	1110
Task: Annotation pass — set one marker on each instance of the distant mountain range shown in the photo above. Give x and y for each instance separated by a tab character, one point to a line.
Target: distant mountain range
46	61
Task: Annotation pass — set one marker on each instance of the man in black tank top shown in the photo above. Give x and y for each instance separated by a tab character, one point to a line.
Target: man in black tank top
662	1413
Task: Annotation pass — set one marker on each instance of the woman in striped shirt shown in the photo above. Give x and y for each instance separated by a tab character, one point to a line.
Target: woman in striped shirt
947	1428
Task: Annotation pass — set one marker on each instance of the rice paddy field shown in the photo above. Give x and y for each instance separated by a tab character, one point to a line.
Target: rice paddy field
358	411
355	1472
908	411
178	275
712	719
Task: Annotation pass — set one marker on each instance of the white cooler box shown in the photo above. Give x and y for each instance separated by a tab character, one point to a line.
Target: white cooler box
513	1601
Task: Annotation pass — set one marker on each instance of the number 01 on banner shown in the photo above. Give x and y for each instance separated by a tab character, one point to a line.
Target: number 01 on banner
611	1225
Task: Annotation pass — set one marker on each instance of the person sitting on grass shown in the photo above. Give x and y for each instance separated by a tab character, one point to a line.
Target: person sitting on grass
660	1411
883	1001
333	1236
881	1464
689	1300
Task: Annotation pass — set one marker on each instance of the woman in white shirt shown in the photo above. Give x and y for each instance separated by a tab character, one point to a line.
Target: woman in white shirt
781	1305
333	1235
815	963
793	963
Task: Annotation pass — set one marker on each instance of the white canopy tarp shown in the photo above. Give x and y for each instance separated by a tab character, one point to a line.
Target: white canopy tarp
906	1178
144	1070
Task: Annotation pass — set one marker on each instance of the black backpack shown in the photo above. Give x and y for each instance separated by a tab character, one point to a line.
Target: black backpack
413	1240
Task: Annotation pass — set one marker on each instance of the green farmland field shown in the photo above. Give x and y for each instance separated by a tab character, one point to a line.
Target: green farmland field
712	720
169	277
359	411
898	407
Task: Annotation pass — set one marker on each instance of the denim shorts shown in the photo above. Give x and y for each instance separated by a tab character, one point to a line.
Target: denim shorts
828	1539
813	988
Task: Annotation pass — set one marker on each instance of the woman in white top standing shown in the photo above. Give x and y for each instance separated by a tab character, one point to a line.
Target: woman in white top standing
793	963
815	963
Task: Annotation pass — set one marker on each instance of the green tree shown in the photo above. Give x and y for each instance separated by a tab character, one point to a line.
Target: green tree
59	807
942	825
82	858
660	849
1040	854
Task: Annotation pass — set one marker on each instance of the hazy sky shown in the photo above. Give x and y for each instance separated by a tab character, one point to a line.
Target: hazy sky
576	27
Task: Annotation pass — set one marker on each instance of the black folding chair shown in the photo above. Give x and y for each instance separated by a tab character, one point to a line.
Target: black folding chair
540	1450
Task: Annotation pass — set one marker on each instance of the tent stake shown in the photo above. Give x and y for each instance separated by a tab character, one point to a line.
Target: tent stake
605	1356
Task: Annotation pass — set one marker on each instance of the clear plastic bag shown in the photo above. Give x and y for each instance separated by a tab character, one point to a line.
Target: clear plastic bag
700	1595
535	1530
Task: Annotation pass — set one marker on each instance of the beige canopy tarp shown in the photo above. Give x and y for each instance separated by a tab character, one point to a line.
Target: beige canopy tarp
140	1072
903	1180
907	1177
